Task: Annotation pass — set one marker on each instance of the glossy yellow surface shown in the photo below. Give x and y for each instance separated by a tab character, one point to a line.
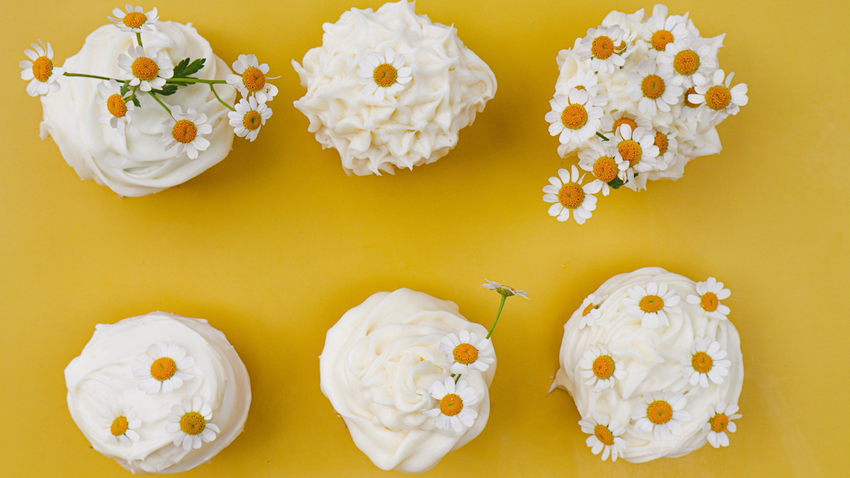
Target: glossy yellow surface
275	243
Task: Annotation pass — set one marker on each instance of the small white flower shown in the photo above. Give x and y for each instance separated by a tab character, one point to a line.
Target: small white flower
504	290
668	149
720	101
134	20
603	47
660	30
117	106
690	111
385	75
162	367
720	422
190	421
706	362
653	90
604	436
453	412
638	149
566	194
652	305
148	69
661	413
600	159
186	130
251	78
685	63
587	81
467	353
711	293
600	368
123	428
249	117
574	118
40	71
612	121
590	310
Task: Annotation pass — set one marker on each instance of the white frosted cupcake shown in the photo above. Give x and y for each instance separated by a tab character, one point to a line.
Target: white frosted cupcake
158	393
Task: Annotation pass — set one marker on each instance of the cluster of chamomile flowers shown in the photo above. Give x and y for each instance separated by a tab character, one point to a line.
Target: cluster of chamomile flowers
644	98
659	413
150	72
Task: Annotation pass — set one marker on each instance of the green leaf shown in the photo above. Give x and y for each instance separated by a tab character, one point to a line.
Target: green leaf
166	90
615	183
125	87
184	69
136	102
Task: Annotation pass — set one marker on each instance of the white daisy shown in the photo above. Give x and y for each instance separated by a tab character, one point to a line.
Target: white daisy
706	363
186	130
661	413
148	69
249	117
190	421
453	412
690	111
567	194
660	30
504	290
574	118
162	367
668	149
590	310
251	78
40	71
117	106
604	436
600	160
587	81
652	89
685	63
603	47
600	368
719	99
123	428
134	20
613	120
652	305
638	149
711	293
385	75
720	422
467	353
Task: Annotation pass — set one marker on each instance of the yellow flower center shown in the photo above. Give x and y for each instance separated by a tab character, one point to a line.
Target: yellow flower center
135	19
252	120
184	131
145	69
574	116
701	362
163	368
661	142
465	354
587	309
192	423
451	405
690	91
385	75
580	87
571	196
718	97
651	304
652	86
602	47
605	169
253	79
604	435
622	121
42	68
116	105
709	302
631	151
719	422
660	39
659	412
686	62
119	426
603	366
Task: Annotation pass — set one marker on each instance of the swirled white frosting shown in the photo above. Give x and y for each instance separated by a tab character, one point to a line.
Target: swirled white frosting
102	377
420	125
135	164
377	364
652	360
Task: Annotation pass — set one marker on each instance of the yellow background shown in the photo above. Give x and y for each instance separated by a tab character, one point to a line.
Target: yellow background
275	243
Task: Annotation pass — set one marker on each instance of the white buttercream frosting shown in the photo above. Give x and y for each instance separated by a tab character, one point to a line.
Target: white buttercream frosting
377	364
417	126
135	164
101	380
652	360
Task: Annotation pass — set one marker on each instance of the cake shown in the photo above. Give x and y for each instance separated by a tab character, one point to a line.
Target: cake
158	393
654	366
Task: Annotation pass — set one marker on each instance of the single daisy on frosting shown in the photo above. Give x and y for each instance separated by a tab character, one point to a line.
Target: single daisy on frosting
162	367
661	30
604	436
707	362
566	194
385	75
603	46
123	428
720	422
190	422
40	71
638	149
186	130
467	353
711	293
600	160
249	117
117	106
452	412
652	305
600	368
661	413
504	290
574	118
134	20
147	69
685	63
652	89
251	78
719	99
590	310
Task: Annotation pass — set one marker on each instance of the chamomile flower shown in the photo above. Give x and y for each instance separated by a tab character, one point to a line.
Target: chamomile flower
638	149
720	422
383	76
249	117
600	367
612	121
504	290
467	352
719	99
668	148
603	47
661	30
186	130
123	428
652	305
40	71
652	89
661	413
599	160
162	367
566	194
147	68
604	436
711	293
686	63
690	111
453	412
574	118
134	20
707	362
251	78
117	106
587	81
590	310
190	422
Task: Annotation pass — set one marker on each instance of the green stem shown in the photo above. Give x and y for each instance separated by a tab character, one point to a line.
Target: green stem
161	103
192	81
139	38
498	314
82	75
221	100
457	377
601	136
